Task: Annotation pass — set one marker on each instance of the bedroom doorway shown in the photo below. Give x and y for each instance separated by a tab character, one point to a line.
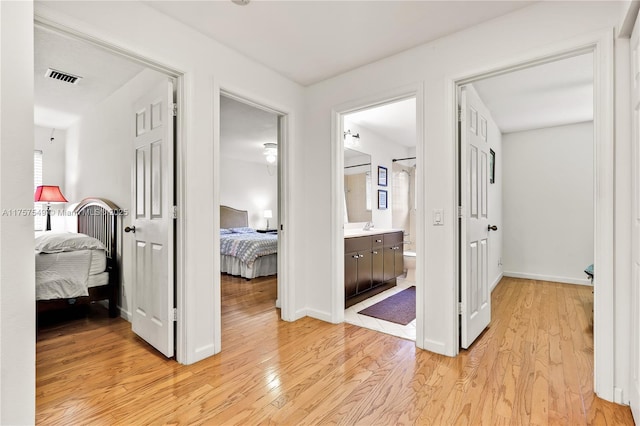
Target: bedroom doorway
250	209
88	146
379	200
601	56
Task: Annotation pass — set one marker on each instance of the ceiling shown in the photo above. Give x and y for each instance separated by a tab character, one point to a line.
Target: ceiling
58	104
395	121
310	41
244	130
547	95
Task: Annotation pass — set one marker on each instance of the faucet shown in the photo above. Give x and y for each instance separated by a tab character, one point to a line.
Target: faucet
367	226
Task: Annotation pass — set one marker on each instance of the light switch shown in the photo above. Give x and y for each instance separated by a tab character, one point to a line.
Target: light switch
438	217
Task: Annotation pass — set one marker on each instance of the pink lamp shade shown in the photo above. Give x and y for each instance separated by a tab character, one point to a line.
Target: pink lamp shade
49	194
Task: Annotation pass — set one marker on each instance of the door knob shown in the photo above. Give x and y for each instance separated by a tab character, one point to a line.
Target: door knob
492	228
131	229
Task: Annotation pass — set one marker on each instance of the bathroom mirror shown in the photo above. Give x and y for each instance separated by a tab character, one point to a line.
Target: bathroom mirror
357	186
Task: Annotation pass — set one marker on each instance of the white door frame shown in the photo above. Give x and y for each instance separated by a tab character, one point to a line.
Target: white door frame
286	291
181	354
337	199
601	44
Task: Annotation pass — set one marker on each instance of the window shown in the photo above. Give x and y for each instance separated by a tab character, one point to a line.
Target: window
39	219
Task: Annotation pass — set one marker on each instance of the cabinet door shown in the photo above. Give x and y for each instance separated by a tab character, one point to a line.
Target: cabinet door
350	274
393	257
364	271
377	266
399	261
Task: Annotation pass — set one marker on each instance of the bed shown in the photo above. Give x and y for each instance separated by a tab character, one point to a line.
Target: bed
244	251
80	268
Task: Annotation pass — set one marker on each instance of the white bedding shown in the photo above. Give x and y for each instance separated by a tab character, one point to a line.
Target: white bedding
69	274
261	267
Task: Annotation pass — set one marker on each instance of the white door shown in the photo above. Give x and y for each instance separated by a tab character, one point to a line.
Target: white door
475	296
151	229
635	231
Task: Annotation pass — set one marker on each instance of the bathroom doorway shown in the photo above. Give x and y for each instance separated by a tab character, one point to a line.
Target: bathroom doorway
380	217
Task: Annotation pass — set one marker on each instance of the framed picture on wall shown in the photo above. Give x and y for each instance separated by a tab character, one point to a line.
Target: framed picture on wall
492	166
382	176
382	199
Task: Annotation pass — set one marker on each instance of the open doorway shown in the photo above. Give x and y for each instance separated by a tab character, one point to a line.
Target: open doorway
250	138
380	217
541	183
85	129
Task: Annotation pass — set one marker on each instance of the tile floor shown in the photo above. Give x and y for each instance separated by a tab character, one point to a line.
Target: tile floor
405	331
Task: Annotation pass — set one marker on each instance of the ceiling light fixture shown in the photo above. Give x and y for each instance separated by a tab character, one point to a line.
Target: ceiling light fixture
241	2
270	152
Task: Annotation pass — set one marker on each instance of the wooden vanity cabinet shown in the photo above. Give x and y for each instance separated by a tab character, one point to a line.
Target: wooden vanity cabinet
371	265
393	255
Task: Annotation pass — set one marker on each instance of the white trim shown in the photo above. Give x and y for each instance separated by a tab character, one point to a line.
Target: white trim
551	278
320	315
181	339
337	208
496	281
601	44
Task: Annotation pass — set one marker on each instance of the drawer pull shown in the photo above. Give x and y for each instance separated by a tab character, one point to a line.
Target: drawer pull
378	241
374	252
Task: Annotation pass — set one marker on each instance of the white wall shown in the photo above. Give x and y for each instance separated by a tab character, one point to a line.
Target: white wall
548	203
250	186
99	160
432	67
17	266
53	168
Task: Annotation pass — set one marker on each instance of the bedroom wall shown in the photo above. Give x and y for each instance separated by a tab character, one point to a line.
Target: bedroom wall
98	161
53	168
250	186
430	68
17	266
548	203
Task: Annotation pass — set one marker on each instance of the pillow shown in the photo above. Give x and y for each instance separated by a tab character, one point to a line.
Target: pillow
57	242
224	231
243	230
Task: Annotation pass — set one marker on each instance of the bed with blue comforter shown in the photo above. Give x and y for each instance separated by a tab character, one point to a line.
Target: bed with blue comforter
244	251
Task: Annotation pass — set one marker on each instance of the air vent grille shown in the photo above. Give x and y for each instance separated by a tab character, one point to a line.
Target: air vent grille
62	76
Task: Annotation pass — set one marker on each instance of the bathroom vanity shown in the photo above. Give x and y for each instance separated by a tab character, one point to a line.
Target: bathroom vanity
372	261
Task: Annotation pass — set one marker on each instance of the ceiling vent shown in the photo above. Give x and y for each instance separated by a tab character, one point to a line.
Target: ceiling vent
62	76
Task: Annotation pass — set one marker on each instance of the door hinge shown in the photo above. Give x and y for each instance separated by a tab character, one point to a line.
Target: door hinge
460	308
174	212
174	109
175	314
460	212
459	113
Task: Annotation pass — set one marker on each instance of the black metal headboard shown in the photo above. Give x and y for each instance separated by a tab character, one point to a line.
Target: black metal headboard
98	218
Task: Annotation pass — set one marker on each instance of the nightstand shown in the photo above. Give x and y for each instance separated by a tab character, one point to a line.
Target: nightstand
267	231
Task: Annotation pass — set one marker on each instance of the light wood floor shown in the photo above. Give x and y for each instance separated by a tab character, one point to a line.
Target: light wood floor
532	366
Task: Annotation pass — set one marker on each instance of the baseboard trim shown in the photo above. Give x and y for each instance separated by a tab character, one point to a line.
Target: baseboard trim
552	278
320	315
495	283
125	314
